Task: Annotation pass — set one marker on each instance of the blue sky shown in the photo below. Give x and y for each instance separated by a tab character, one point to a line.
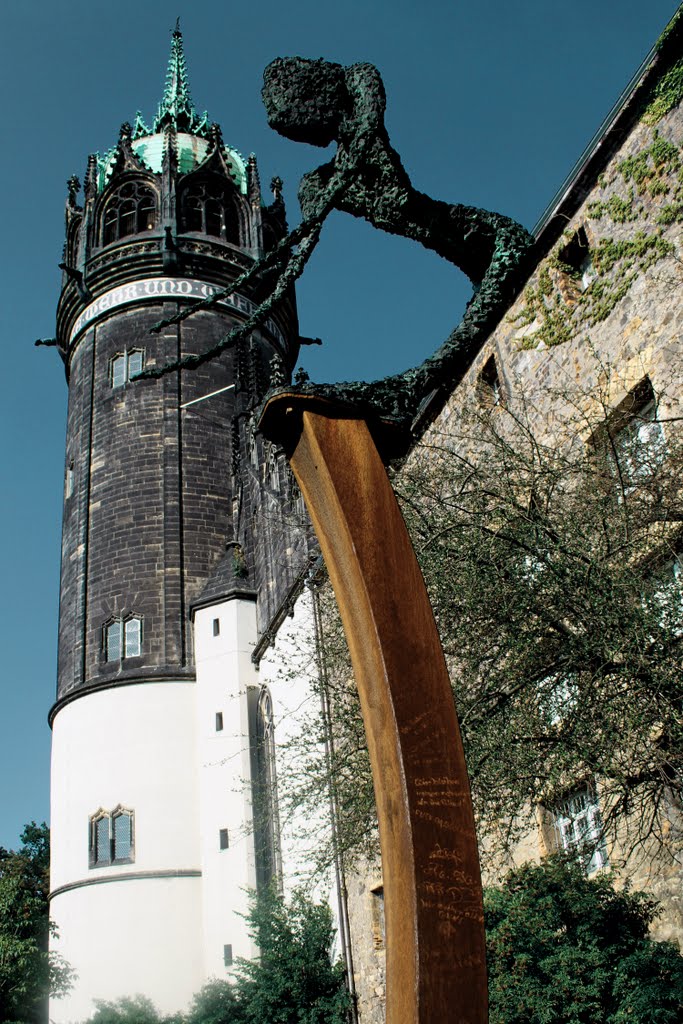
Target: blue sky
489	103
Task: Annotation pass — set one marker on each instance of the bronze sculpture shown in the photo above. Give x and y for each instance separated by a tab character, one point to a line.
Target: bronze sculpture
318	102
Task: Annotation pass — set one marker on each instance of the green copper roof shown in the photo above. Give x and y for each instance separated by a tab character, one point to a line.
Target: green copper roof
176	106
192	130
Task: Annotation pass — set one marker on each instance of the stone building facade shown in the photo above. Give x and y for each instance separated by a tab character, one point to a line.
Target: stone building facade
596	330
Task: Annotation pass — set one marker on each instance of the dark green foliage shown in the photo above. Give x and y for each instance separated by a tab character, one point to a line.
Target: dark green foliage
294	981
216	1003
130	1010
27	971
563	949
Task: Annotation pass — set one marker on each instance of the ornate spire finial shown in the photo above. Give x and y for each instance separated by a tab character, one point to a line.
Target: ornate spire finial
176	107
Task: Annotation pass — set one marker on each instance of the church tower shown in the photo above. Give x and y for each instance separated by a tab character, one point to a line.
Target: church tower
170	564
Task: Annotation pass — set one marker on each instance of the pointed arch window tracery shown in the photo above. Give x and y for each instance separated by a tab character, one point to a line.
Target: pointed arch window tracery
266	811
206	208
130	210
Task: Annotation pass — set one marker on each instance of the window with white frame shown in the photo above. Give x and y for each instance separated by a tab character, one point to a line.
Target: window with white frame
637	446
578	827
111	837
125	365
123	638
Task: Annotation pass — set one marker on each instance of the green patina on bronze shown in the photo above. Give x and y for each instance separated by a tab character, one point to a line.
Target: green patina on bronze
317	102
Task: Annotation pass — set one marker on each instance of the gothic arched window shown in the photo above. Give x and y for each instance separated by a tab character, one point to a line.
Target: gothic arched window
129	211
111	837
123	638
206	208
266	815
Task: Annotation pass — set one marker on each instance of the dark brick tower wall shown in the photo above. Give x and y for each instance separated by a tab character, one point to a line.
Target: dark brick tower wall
156	495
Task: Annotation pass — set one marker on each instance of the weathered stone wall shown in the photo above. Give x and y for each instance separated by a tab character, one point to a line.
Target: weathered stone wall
568	339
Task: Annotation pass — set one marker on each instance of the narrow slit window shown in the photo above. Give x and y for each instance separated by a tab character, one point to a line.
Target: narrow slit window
227	955
69	481
216	627
118	371
102	844
223	839
133	638
489	387
219	721
113	641
577	258
123	836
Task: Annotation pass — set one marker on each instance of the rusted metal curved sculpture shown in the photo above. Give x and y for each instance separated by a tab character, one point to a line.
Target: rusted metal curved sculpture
435	944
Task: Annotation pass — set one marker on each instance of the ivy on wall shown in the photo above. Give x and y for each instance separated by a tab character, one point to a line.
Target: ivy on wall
649	188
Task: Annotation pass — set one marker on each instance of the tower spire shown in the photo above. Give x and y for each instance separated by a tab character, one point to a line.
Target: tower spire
176	107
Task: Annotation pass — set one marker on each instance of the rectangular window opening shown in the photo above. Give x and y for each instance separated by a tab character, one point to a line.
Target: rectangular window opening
223	839
576	257
227	955
216	627
219	721
578	828
489	388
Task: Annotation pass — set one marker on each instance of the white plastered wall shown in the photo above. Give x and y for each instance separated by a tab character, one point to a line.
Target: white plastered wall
132	746
289	669
224	674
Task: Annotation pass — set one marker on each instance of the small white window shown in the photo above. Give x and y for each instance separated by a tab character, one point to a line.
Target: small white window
378	925
633	440
102	847
69	479
578	826
111	837
118	371
123	638
125	366
133	637
134	363
113	641
122	835
639	445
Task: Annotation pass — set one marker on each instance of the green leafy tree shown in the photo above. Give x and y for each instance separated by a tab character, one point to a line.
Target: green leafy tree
551	548
127	1010
564	949
217	1003
294	980
28	972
